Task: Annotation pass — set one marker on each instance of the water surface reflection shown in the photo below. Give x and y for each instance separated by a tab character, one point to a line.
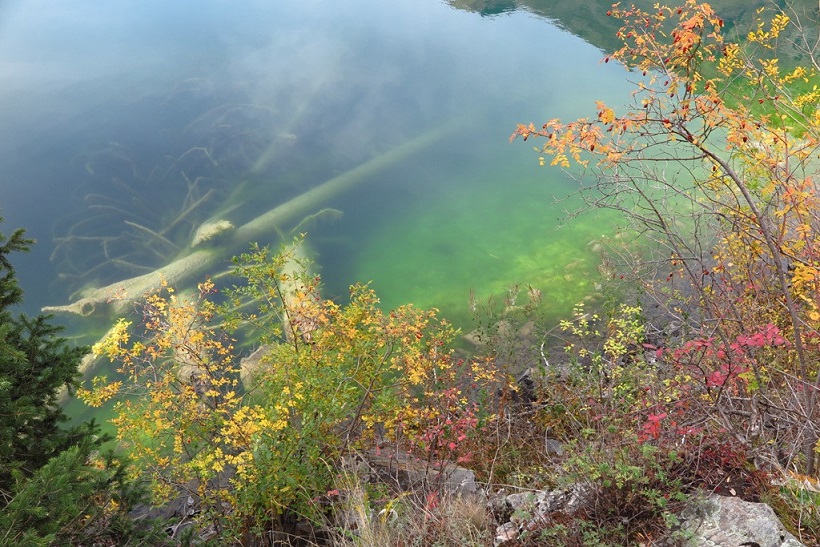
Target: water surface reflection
132	123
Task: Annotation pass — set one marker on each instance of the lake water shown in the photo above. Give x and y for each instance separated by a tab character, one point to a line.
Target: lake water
117	117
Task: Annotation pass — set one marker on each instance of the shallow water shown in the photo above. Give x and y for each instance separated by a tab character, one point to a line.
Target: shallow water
103	100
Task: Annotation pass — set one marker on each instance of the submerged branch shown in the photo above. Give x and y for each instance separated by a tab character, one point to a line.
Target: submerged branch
117	297
155	235
182	216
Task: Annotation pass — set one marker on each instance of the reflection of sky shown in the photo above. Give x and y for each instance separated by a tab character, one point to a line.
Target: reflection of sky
351	74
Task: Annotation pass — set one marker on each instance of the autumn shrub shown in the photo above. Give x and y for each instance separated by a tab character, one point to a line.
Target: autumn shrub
178	397
713	162
631	494
714	166
258	442
618	452
633	437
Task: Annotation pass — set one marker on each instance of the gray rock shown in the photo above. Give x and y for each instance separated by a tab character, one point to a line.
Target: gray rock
527	511
522	501
722	521
506	534
409	472
553	447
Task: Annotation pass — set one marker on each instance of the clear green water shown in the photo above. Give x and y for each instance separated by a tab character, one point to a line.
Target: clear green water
497	229
104	100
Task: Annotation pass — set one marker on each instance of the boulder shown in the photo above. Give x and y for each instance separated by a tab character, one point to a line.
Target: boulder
409	472
523	512
719	521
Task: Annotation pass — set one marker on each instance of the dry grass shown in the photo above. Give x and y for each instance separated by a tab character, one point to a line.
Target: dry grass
410	520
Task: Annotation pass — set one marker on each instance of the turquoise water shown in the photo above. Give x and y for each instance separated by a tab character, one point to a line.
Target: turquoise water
124	115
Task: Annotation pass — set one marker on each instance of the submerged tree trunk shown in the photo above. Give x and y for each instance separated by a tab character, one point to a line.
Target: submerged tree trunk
116	297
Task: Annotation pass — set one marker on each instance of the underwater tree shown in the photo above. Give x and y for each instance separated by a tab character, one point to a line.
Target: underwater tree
122	229
715	163
210	255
